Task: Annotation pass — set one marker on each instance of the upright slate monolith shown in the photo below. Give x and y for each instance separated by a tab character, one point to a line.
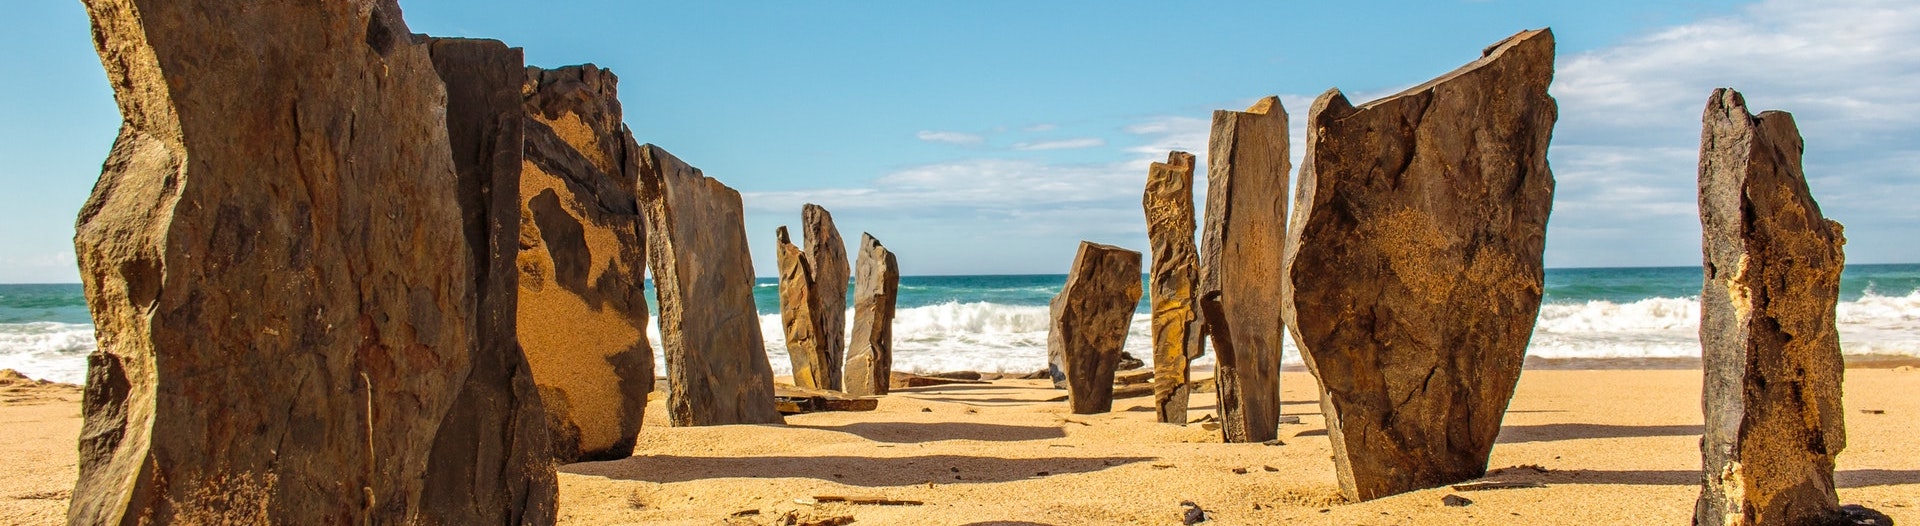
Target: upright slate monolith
1175	277
876	288
1240	259
1089	322
1413	264
492	462
799	316
827	258
277	265
583	310
1774	416
717	370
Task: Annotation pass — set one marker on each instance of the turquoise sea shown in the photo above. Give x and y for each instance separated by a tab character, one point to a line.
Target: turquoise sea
999	323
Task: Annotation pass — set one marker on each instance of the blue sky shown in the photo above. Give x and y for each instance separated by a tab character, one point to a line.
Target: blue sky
991	136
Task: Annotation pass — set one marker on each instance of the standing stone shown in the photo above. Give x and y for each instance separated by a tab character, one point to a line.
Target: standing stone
274	255
717	370
492	462
876	287
583	261
799	316
1414	272
1089	322
827	257
1175	276
1246	227
1774	420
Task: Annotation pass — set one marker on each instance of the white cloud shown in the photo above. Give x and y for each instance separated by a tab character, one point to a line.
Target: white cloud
1062	144
1625	149
951	137
1847	60
1042	127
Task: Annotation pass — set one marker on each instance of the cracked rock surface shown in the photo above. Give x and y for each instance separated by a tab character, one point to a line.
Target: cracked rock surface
1413	274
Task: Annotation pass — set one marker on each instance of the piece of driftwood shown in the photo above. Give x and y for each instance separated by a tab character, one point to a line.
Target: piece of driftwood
1495	484
866	499
1133	391
900	380
791	400
1136	376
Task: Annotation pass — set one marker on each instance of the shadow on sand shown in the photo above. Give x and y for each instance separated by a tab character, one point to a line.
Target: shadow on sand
856	471
916	432
1856	478
1578	431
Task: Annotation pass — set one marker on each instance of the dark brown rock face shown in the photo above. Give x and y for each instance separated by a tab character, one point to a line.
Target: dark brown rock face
582	263
799	316
1414	271
827	257
1175	277
876	288
1090	318
1246	227
278	268
492	462
717	366
1767	338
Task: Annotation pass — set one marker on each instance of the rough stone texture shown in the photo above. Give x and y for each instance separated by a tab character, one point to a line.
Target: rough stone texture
583	309
1774	420
1089	322
717	366
1246	226
1413	264
492	462
1175	277
876	289
827	258
800	317
281	284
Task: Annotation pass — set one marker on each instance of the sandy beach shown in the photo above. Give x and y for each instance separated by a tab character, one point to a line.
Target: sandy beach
1610	446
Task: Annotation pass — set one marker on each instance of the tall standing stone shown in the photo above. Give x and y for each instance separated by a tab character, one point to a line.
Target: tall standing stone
492	462
827	257
583	261
1175	277
799	316
282	288
1089	322
717	370
1774	419
1413	264
876	288
1246	226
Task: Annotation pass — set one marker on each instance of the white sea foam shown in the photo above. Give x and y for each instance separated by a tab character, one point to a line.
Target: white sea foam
991	337
47	350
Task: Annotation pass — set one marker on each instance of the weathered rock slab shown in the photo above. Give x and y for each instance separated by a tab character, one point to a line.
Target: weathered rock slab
876	291
1089	322
1774	418
697	243
582	263
492	462
1240	265
1414	264
1175	278
281	285
827	258
799	316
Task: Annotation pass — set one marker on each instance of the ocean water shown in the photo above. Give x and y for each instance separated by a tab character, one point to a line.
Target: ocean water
999	323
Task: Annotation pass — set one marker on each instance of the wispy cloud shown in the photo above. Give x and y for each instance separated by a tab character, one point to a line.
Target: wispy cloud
951	137
1062	144
1625	149
1042	127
